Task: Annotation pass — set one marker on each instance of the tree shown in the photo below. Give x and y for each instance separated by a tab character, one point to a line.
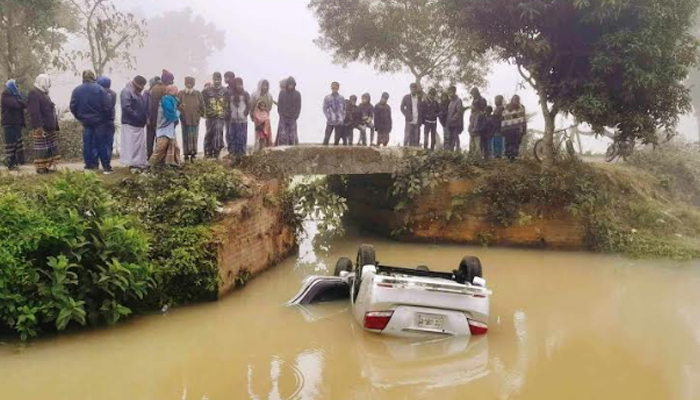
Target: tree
615	63
111	34
181	42
398	35
694	83
32	35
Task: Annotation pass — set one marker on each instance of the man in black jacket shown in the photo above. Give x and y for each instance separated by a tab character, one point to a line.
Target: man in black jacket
410	108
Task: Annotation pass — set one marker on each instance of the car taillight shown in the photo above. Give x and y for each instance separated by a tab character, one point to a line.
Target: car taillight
477	328
377	320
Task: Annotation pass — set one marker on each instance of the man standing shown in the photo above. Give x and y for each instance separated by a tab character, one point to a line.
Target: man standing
150	130
478	109
105	131
89	104
229	81
156	95
216	111
134	154
410	107
430	112
455	120
334	109
193	109
514	127
289	108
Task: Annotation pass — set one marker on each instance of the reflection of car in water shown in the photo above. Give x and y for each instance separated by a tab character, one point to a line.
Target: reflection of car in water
404	301
428	364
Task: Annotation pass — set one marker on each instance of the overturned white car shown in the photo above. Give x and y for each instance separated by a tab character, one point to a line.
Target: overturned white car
405	301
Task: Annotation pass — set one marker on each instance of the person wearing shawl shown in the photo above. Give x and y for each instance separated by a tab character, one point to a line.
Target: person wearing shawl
262	94
514	127
192	105
157	92
105	132
90	105
237	139
133	152
167	151
215	110
263	128
13	106
289	108
43	123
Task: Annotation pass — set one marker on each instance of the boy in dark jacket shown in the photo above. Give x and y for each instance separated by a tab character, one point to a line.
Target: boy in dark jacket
430	110
350	121
13	106
382	120
364	119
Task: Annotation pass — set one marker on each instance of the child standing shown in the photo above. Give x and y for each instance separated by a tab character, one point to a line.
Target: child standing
167	151
366	117
382	120
263	129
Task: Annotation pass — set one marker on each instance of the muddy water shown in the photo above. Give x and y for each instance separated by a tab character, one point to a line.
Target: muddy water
563	326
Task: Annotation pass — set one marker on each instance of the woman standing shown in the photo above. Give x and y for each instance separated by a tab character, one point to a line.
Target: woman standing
262	94
167	151
13	106
192	104
44	125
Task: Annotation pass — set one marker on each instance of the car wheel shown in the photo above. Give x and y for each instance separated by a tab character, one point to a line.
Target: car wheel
343	264
423	268
365	256
470	268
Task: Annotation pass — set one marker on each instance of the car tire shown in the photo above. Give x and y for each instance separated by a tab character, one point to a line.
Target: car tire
366	256
423	268
470	268
343	264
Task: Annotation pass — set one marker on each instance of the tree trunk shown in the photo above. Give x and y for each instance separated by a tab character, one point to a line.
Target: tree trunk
549	127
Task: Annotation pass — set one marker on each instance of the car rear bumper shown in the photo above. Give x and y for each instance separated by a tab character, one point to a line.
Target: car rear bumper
410	321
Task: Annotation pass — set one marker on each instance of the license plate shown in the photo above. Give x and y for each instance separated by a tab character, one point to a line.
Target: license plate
431	321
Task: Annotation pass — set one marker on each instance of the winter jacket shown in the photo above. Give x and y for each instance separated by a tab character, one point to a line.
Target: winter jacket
334	109
366	113
90	104
216	102
382	118
407	109
12	109
430	111
289	104
42	111
455	116
155	96
134	112
192	104
352	118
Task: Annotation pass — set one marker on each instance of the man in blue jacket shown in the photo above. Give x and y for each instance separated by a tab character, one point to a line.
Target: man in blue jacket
105	131
90	104
134	152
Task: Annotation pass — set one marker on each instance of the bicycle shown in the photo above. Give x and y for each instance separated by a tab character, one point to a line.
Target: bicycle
620	148
564	149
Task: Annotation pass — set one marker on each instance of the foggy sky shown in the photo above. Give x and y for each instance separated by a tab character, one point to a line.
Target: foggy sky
273	39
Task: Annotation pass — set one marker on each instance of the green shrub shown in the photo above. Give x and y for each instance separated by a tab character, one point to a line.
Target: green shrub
177	206
68	256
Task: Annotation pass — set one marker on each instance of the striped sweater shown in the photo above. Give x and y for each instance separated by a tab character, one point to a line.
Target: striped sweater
514	119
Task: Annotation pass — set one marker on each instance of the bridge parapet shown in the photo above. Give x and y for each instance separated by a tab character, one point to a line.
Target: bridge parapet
336	160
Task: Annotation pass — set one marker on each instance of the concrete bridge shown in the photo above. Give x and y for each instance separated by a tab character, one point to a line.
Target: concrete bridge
335	160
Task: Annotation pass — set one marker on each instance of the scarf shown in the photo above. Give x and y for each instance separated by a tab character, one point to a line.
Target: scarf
43	83
11	85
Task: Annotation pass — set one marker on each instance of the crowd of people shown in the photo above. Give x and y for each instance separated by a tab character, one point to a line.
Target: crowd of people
495	131
151	111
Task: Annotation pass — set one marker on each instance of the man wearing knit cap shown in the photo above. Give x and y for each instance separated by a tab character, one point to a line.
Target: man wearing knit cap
216	111
157	92
90	105
133	150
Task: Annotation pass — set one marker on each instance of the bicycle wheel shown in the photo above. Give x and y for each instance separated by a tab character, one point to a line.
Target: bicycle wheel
611	153
539	150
